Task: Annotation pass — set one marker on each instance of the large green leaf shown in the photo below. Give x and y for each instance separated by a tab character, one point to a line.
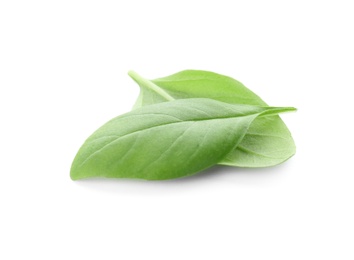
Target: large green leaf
166	140
268	141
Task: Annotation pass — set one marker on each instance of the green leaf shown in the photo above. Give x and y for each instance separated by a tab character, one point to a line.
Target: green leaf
268	141
166	140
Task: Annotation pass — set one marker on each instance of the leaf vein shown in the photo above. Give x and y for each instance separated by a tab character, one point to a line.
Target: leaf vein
140	130
244	149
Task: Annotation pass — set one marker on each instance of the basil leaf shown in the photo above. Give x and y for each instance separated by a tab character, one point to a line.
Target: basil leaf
268	141
166	140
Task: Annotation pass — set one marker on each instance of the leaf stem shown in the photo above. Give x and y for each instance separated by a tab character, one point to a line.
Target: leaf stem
149	84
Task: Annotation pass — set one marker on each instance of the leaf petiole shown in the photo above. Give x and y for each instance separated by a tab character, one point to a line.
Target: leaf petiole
148	84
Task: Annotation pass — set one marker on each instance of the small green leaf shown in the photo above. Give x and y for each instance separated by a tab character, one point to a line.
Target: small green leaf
166	140
268	141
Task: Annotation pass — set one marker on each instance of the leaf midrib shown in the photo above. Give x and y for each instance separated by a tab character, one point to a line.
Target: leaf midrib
155	126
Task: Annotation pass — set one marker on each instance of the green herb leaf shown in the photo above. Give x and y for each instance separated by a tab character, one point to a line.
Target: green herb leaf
268	141
166	140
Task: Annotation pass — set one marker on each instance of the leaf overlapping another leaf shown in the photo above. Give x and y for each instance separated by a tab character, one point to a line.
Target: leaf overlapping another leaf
267	142
166	140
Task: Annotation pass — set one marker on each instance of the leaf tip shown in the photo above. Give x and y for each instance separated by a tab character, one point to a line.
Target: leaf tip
73	175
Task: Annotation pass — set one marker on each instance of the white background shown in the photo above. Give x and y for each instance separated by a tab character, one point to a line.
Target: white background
63	73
